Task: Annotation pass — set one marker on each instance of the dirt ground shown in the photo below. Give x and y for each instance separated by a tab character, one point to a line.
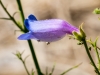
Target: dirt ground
65	53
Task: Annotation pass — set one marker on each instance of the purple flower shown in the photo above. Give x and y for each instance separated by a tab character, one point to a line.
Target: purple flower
46	30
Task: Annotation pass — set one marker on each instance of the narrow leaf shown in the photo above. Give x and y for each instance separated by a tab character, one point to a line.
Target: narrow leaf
15	13
70	69
26	57
52	70
32	72
6	18
95	43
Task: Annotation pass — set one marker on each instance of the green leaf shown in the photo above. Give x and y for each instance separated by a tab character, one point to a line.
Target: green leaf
26	57
70	69
52	70
20	24
80	43
17	31
82	31
95	43
6	18
90	41
15	13
32	72
96	11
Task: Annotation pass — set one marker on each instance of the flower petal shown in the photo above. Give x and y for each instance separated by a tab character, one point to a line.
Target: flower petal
45	25
26	24
47	30
26	36
50	36
51	25
32	18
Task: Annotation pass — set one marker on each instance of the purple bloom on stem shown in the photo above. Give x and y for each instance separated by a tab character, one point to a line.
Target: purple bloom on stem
46	30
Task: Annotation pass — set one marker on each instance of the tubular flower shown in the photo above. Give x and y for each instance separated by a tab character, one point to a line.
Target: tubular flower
46	30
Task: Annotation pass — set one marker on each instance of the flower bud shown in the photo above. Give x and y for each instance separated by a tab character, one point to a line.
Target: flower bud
96	11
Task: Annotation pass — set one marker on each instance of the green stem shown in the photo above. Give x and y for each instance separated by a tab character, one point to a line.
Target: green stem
22	13
24	30
34	58
97	53
29	41
25	66
10	16
90	57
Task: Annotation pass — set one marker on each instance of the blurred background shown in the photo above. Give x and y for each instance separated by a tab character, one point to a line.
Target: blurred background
65	53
